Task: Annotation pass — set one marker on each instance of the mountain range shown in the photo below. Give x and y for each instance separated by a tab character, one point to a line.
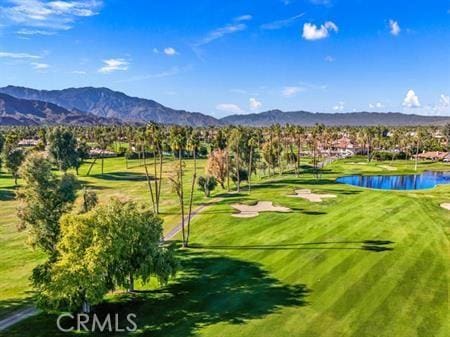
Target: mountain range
16	111
88	106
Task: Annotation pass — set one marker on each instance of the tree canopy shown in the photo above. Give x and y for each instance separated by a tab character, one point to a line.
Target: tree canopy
103	249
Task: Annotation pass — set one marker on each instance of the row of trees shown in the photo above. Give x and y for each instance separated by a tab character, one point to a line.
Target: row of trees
235	154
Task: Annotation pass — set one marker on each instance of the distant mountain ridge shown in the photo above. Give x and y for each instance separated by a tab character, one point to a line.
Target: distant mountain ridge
333	119
104	102
16	111
90	105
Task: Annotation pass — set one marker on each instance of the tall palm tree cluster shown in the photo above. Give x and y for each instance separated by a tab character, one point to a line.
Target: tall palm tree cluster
234	153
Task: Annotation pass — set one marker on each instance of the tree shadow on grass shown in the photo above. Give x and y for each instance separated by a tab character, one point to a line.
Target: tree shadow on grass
121	176
212	289
9	306
368	245
7	195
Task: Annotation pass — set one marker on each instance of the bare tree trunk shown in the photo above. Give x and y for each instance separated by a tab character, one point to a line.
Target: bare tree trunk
417	156
90	167
181	198
250	170
299	146
228	170
191	197
156	181
131	287
237	170
149	183
158	193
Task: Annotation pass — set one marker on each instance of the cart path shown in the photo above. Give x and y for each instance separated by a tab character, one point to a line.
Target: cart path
17	316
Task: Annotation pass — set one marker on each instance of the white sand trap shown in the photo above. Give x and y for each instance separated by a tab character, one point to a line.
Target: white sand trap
313	197
446	205
247	211
388	167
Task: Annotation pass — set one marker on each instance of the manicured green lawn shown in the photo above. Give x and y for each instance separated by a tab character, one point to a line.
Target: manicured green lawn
368	263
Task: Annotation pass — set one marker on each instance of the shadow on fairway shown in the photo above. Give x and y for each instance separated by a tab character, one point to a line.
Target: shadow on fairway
211	290
7	195
369	245
121	176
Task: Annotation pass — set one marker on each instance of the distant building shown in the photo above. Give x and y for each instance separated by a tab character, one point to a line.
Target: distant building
99	153
344	147
28	142
433	155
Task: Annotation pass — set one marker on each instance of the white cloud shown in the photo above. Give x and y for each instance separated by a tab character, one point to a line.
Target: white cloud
394	27
4	54
169	51
236	26
47	15
411	100
29	32
245	17
311	32
278	24
40	66
329	58
377	105
111	65
339	107
254	104
444	101
229	107
291	91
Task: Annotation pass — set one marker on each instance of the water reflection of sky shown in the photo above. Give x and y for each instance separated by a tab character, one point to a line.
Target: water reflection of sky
425	180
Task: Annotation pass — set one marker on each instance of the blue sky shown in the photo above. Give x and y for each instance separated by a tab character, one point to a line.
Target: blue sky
223	57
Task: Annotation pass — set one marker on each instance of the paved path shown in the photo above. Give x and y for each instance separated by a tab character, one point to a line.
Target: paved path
17	316
177	229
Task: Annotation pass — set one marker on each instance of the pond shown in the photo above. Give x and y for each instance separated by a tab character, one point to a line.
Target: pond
428	179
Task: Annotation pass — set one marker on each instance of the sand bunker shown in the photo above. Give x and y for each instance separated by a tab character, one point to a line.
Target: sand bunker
446	206
247	211
313	197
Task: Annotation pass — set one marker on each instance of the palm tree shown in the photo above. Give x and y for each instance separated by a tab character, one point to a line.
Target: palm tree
141	136
252	143
178	143
299	134
193	144
235	142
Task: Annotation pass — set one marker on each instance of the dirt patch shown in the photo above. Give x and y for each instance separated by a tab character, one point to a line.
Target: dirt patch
446	205
313	197
250	211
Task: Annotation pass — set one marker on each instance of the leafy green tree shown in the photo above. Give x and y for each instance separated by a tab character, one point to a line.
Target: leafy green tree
44	198
106	248
207	184
63	149
13	160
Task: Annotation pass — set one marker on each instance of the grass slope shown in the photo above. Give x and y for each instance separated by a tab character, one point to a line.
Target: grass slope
368	263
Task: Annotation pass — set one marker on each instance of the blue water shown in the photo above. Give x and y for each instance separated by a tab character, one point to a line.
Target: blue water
425	180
